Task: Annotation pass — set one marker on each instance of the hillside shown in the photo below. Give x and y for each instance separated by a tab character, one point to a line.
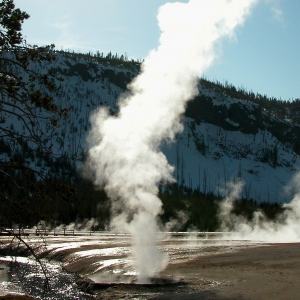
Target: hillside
229	134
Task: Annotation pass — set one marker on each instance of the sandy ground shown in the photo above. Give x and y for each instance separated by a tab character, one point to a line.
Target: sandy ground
266	272
200	271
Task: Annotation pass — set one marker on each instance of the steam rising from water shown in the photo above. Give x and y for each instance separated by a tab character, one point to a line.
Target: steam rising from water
124	151
285	228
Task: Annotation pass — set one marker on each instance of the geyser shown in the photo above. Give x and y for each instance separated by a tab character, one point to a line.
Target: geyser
124	150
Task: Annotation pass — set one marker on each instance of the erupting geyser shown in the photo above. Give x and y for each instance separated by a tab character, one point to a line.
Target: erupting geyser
124	150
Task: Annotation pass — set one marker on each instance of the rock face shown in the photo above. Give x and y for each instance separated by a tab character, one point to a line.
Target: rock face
228	134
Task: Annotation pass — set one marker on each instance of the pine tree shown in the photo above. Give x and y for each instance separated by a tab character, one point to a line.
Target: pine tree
26	95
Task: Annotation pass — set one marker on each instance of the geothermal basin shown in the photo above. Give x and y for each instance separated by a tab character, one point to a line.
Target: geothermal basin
200	265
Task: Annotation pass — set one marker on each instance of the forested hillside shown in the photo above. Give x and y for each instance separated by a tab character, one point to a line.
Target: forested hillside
230	134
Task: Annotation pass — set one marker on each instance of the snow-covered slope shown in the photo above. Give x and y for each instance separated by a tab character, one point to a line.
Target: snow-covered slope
224	139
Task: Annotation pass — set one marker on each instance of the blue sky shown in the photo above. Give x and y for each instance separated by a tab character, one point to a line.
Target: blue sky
264	57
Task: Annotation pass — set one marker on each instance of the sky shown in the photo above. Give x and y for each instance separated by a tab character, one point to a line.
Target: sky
263	56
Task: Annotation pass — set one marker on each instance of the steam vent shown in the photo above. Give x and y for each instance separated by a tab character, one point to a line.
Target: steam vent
130	283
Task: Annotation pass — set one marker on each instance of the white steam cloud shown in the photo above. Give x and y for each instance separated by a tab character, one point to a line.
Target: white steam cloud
124	151
285	227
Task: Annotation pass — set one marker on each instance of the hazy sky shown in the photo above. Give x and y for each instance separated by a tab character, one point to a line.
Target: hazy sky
264	56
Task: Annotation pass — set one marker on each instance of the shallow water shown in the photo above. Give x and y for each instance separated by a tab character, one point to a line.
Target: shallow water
25	276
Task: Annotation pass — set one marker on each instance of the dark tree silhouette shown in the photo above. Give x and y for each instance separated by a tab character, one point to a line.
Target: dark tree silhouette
26	97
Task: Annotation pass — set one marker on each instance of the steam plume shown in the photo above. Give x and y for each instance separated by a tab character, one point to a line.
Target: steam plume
285	228
124	151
